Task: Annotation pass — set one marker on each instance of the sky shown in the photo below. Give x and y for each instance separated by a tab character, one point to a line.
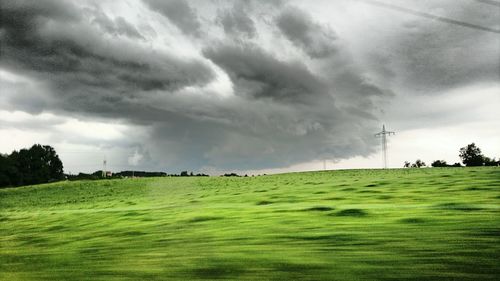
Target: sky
253	87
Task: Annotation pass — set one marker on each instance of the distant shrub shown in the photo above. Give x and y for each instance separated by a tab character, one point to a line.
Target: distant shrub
439	163
442	163
418	164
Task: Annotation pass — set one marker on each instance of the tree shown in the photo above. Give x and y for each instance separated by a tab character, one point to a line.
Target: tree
419	163
5	170
39	164
439	163
406	164
45	164
56	169
471	155
491	162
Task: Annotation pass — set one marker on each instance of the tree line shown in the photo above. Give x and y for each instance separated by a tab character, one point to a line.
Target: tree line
41	164
38	164
471	156
123	174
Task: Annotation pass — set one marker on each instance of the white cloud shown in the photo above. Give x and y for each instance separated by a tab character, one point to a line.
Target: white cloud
135	158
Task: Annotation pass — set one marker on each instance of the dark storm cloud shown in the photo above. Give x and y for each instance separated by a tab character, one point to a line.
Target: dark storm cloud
301	120
260	75
457	62
431	16
276	88
22	14
119	26
279	113
260	134
51	42
316	40
179	13
428	56
236	21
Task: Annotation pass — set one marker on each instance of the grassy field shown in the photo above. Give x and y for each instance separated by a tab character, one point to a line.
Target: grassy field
411	224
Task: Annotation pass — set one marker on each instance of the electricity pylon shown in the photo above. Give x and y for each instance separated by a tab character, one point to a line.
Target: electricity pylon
104	168
384	135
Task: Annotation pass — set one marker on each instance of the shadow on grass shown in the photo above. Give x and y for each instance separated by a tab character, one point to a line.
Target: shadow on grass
33	240
319	209
473	188
301	268
320	192
219	270
131	214
369	191
490	232
327	238
264	202
457	207
412	220
335	198
133	233
203	219
56	228
352	213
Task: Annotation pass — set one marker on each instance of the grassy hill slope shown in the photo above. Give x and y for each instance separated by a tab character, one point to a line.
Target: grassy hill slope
412	224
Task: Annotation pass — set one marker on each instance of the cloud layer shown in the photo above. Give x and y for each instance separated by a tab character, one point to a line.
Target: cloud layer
232	85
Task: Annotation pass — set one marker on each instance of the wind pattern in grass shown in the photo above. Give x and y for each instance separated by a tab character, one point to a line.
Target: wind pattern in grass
405	224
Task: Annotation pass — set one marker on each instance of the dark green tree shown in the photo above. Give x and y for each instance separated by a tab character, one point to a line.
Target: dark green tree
6	170
471	155
39	164
419	163
439	163
491	162
56	169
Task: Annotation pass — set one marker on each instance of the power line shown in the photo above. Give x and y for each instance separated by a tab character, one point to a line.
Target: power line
491	2
434	17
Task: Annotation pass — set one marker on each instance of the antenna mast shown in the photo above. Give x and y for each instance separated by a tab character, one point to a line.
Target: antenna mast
383	135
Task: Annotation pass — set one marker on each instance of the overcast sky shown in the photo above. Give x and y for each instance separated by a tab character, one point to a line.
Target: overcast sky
249	86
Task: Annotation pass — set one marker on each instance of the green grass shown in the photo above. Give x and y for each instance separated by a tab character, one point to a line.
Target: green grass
413	224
